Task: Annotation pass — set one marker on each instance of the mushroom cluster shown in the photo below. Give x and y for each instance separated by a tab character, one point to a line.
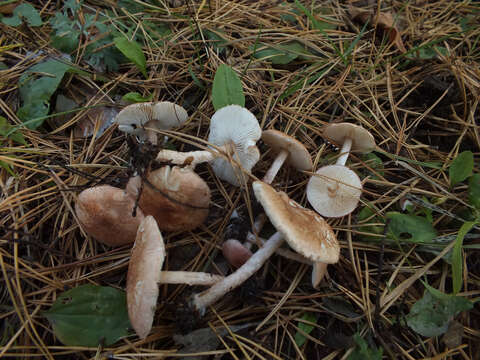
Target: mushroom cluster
175	198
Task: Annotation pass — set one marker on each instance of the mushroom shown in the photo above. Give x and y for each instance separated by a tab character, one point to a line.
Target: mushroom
234	132
176	197
305	231
235	252
335	190
105	213
287	149
164	115
145	273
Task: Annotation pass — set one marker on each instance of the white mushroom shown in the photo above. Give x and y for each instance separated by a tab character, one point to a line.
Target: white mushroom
234	132
143	119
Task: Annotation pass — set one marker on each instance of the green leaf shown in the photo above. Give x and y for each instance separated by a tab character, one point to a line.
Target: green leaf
133	51
316	24
218	43
89	315
367	212
431	315
37	85
461	167
227	88
5	130
375	163
281	54
135	97
306	328
457	258
363	352
474	191
7	167
24	11
418	229
427	52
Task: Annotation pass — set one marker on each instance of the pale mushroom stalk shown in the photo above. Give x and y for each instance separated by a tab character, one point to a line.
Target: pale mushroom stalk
318	273
345	152
276	166
202	300
189	278
192	158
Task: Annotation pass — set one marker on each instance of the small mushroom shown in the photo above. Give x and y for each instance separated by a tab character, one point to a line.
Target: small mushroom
305	231
176	197
335	190
288	149
136	118
235	252
145	273
105	213
234	132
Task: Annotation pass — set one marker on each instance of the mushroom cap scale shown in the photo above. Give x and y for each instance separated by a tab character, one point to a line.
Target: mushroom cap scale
162	115
305	231
146	261
105	213
362	140
298	155
334	190
176	197
235	126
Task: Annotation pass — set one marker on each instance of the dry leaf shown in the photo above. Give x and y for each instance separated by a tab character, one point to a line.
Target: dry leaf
7	9
383	21
86	126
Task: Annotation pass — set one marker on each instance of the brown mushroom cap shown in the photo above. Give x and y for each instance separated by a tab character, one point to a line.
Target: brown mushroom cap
305	231
146	261
235	252
362	140
176	197
334	190
105	213
298	155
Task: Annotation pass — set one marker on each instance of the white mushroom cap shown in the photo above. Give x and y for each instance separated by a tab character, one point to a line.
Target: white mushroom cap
298	155
162	115
237	127
143	276
334	191
305	231
361	138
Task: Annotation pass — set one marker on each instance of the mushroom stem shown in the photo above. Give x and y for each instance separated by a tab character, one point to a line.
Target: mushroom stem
189	278
202	300
191	158
344	152
318	273
252	239
275	167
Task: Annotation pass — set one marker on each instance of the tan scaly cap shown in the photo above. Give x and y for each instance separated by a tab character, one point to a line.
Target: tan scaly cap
235	126
334	191
144	269
361	138
298	155
176	197
305	231
105	213
162	115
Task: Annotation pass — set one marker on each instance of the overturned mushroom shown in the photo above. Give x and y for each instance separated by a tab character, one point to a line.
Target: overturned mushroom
144	275
176	197
305	231
105	213
289	150
234	132
143	119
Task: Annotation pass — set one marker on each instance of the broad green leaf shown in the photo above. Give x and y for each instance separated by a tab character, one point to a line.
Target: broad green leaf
375	163
135	97
133	51
461	167
366	213
427	52
431	315
306	328
217	42
7	167
474	191
89	315
5	129
316	24
227	88
24	11
409	228
37	85
363	352
457	259
281	54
